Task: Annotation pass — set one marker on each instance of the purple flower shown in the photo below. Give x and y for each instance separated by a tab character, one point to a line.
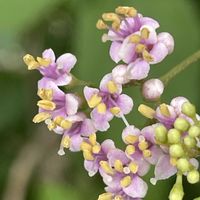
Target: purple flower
57	71
107	102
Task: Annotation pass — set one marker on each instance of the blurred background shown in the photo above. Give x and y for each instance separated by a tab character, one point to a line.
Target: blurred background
30	168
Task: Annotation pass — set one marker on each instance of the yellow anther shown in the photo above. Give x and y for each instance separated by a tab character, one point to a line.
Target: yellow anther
43	61
31	62
105	196
133	167
58	120
101	108
116	25
147	153
112	87
96	149
46	105
127	11
45	94
51	125
143	145
94	101
140	48
113	17
101	25
106	167
131	139
40	117
126	181
65	124
88	155
130	149
135	39
132	12
118	165
147	56
86	146
66	142
115	110
93	139
164	110
173	161
118	197
145	33
146	111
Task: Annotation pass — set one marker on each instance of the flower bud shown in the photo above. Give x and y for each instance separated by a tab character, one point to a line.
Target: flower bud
190	142
174	136
167	40
189	109
183	165
119	74
176	150
193	177
161	134
152	89
181	124
194	131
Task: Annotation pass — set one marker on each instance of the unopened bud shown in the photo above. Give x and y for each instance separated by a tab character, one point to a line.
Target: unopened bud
193	177
161	134
181	124
176	150
190	142
194	131
152	89
174	136
119	74
189	109
183	165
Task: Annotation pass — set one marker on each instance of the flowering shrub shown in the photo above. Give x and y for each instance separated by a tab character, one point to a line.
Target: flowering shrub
171	141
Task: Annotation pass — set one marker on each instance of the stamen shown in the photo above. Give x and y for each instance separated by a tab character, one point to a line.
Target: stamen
58	120
112	87
43	61
127	11
147	153
164	110
133	167
126	181
115	110
126	170
106	167
130	149
40	117
146	111
96	149
65	124
93	139
112	17
116	25
147	56
140	48
118	197
143	145
86	146
131	139
45	94
88	155
173	161
94	101
118	165
145	33
101	108
31	62
105	196
46	105
135	39
101	25
66	142
51	125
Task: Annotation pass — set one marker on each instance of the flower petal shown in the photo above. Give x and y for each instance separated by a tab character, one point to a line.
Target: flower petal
72	104
89	92
49	54
75	143
114	51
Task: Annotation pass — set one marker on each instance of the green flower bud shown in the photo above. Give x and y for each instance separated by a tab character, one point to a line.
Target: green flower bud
161	134
189	109
174	136
198	198
176	150
190	142
194	131
181	124
183	165
193	177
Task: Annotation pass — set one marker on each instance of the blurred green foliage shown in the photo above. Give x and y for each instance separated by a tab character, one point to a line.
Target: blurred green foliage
69	26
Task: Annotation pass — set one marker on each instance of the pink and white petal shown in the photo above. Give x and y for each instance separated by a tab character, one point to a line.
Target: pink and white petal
75	143
125	103
64	79
89	92
167	40
130	130
92	167
49	54
66	62
114	51
149	22
119	74
152	39
128	24
87	127
163	169
71	104
158	52
107	146
137	189
149	133
138	70
156	153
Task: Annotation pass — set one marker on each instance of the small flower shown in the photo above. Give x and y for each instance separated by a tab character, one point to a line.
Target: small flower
107	102
57	71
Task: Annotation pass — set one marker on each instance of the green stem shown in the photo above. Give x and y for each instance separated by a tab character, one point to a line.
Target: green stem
180	67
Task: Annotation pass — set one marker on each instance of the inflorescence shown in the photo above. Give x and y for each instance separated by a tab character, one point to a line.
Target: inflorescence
171	142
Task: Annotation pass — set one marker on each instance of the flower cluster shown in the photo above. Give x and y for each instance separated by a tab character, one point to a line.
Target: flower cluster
171	142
